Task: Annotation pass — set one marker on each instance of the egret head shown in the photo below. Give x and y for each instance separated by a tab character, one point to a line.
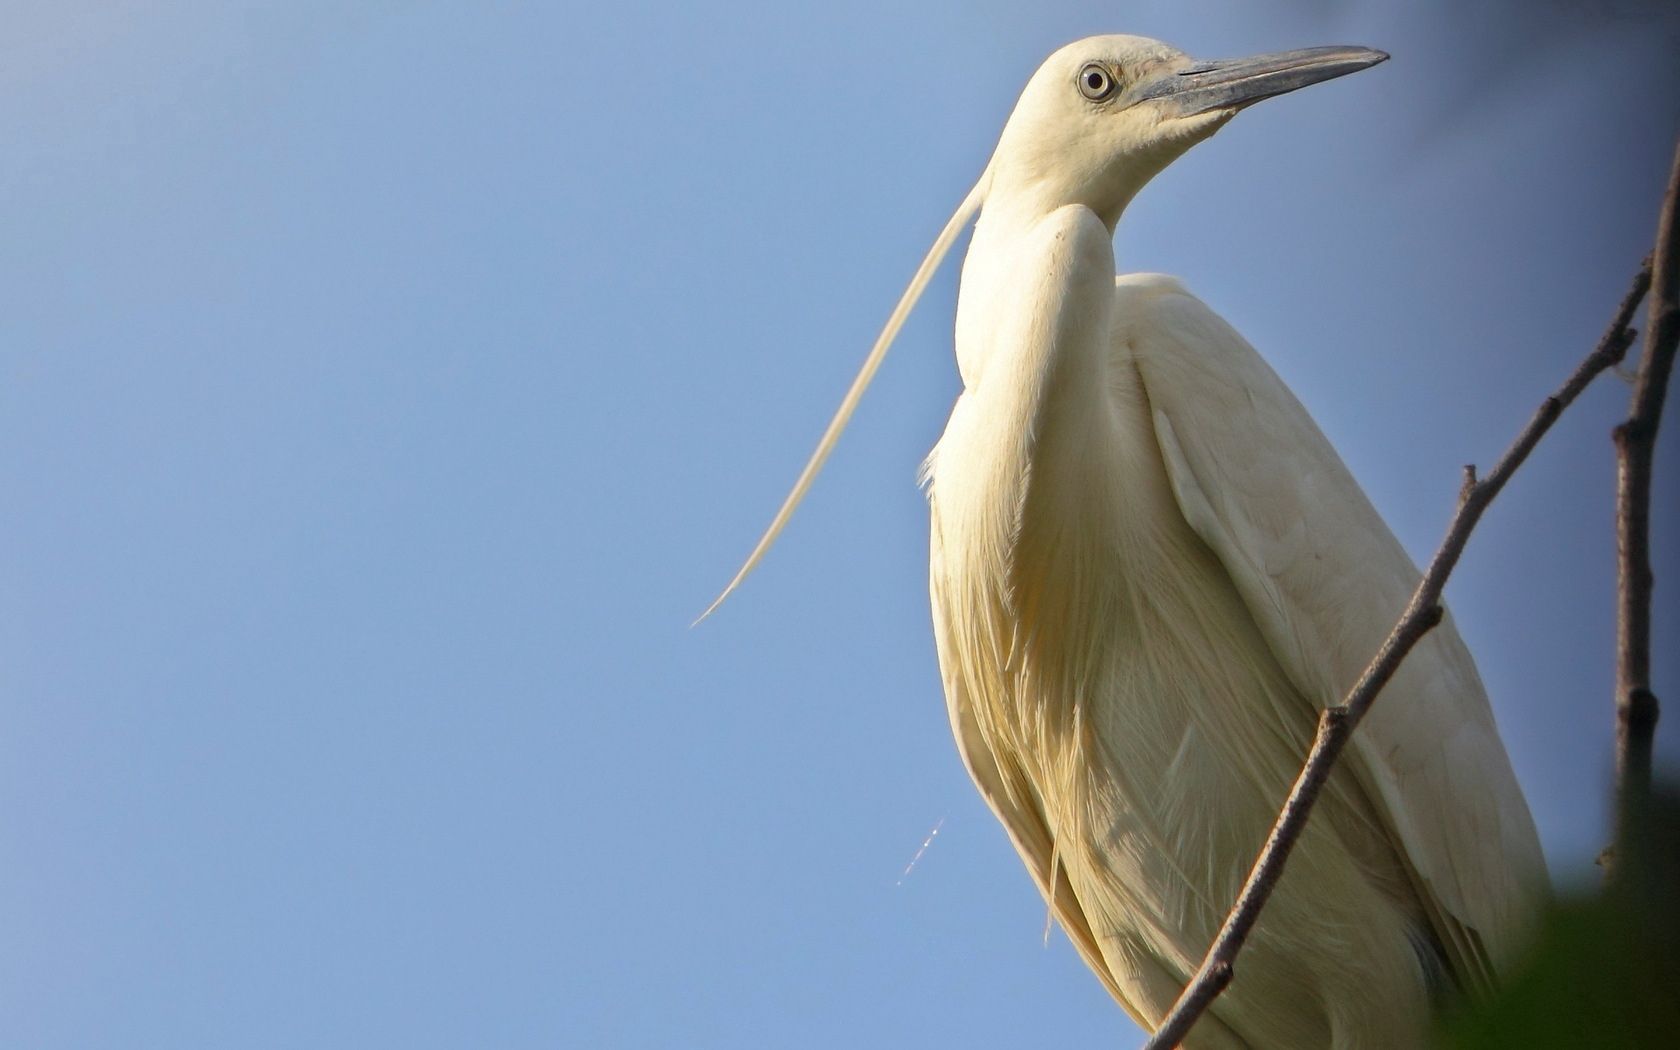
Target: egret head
1099	119
1104	115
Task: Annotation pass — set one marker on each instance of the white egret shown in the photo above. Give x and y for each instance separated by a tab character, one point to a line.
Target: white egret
1150	571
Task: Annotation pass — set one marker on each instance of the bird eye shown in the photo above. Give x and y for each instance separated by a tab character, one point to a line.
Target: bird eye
1095	83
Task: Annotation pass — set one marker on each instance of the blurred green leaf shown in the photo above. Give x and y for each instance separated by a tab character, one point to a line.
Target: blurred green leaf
1605	973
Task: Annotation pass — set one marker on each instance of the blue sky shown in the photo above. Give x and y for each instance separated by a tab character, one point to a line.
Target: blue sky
385	387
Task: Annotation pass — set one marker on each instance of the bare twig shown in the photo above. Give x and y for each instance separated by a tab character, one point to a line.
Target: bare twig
1636	444
1336	724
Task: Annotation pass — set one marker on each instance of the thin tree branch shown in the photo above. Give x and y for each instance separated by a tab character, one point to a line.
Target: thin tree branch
1336	724
1636	446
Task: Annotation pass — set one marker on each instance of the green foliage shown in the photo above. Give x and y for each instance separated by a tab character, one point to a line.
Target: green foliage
1605	973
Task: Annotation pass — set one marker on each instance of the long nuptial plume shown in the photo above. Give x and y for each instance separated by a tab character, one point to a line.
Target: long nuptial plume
907	302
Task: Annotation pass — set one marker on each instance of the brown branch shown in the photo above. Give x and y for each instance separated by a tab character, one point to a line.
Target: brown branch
1336	724
1636	445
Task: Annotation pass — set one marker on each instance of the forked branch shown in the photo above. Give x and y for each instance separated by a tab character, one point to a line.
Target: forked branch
1336	724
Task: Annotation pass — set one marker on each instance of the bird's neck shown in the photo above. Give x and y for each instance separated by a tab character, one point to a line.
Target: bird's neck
1030	453
1004	258
1024	480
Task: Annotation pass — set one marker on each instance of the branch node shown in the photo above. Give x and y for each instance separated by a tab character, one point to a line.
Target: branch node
1639	711
1627	433
1549	410
1619	344
1469	484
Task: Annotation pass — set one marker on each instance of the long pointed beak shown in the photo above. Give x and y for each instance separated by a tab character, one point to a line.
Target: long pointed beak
1238	82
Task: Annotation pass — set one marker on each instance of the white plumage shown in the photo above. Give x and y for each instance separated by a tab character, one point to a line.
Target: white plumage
1149	573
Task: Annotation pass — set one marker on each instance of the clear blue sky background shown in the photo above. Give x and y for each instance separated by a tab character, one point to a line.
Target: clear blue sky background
385	386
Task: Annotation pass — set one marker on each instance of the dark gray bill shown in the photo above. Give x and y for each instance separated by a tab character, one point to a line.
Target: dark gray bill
1237	82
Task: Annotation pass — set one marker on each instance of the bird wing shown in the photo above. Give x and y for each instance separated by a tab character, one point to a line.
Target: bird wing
1325	580
1012	797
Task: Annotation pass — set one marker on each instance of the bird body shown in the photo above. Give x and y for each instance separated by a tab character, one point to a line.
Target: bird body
1150	572
1118	703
